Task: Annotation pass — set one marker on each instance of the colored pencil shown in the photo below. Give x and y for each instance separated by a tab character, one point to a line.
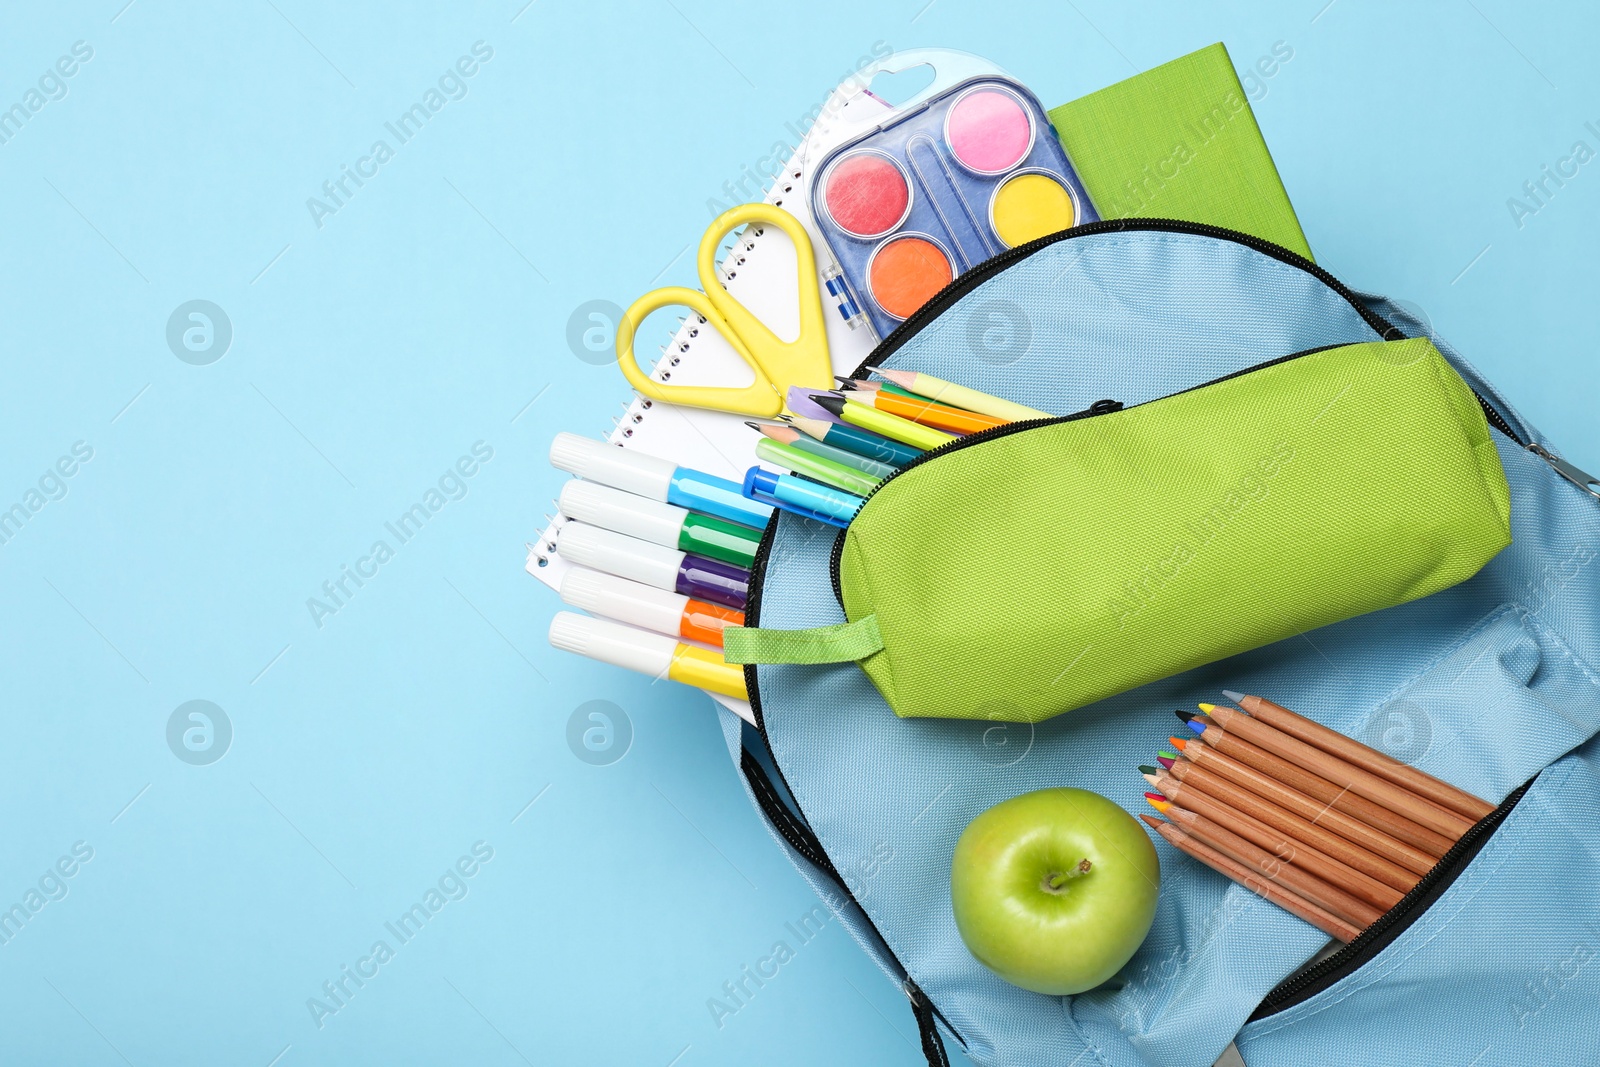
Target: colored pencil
1321	789
869	384
1317	890
823	470
960	395
1290	847
788	435
1289	824
1341	772
1349	749
870	418
1207	760
854	438
1291	902
926	412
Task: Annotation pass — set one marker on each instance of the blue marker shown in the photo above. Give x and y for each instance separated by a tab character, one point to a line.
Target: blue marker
656	479
805	498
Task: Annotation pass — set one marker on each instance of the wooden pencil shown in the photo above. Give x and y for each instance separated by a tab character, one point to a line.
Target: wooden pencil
1317	890
1182	802
1197	758
1319	788
928	412
1348	748
1340	772
1209	794
1289	901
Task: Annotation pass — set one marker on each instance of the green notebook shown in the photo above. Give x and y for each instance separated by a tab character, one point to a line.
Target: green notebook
1180	142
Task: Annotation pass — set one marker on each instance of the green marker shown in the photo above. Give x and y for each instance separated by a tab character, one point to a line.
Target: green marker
658	523
823	470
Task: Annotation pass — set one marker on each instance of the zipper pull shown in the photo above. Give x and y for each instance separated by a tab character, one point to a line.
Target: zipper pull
1587	482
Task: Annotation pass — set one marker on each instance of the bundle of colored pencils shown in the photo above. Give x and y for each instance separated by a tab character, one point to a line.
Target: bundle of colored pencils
839	444
1314	821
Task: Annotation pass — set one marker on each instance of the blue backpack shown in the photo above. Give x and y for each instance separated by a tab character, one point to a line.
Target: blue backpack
1493	685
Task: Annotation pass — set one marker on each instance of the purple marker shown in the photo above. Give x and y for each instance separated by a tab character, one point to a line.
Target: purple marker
664	568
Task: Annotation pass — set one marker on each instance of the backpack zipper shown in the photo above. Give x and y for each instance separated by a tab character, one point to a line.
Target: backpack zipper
965	283
1391	924
1582	479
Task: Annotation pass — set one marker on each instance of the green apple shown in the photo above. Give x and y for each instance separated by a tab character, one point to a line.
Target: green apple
1054	890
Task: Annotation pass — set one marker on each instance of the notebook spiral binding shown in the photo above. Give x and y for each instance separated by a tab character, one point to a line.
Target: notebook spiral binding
672	352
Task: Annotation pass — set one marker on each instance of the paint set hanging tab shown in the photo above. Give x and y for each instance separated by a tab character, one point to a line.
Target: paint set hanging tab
964	170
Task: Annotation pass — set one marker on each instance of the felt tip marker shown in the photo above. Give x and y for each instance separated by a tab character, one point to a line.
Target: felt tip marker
627	601
657	479
855	439
823	470
654	565
654	654
862	414
801	497
658	523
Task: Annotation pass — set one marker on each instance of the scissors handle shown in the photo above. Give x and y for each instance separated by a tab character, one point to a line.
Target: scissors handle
777	364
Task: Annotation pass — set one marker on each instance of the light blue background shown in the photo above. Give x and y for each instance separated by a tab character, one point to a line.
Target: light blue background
424	316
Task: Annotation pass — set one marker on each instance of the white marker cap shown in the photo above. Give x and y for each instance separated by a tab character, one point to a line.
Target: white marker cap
630	471
619	554
626	513
613	643
618	598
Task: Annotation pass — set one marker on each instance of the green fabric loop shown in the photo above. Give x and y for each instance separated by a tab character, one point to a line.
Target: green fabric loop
845	642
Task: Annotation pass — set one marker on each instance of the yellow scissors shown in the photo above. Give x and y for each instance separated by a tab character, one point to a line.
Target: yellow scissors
777	364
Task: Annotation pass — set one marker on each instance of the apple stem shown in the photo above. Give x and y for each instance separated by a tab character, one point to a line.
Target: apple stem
1056	881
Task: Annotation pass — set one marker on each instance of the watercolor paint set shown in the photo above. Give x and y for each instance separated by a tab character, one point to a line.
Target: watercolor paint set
969	172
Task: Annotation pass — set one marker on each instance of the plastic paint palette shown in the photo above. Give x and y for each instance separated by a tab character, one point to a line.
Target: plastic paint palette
909	206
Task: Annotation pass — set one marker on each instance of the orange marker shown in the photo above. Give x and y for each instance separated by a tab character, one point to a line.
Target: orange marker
654	609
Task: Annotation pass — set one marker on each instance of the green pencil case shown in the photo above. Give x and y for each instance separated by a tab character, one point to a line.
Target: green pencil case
1031	569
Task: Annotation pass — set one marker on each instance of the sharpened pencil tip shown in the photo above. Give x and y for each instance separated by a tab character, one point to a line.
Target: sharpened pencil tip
833	405
753	425
1167	761
1152	821
1208	708
1143	769
1180	742
1157	801
1231	695
1166	755
1196	725
1183	715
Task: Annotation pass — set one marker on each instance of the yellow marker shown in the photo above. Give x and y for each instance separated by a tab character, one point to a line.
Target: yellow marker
861	413
654	654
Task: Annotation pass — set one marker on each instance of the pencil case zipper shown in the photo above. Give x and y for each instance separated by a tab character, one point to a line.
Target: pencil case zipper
1107	407
1325	973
